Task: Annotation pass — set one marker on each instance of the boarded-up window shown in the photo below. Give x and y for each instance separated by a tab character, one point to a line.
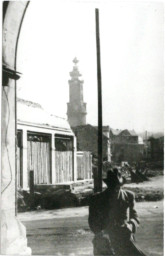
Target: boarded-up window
39	157
84	165
19	160
63	159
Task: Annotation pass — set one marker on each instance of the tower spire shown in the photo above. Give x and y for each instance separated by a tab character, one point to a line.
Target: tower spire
76	108
75	60
75	74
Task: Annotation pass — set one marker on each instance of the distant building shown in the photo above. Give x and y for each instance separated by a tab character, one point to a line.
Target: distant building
156	148
124	136
76	108
126	146
87	140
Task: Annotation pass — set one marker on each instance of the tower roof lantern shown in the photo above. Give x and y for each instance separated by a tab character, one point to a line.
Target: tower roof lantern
75	60
75	74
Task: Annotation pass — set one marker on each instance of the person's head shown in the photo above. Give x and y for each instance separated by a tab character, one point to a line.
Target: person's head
114	179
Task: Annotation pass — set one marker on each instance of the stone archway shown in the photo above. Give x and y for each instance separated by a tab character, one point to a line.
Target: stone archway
13	233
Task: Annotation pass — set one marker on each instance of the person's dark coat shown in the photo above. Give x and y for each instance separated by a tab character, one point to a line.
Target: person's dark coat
114	213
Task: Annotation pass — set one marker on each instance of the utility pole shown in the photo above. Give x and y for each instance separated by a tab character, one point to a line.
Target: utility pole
100	158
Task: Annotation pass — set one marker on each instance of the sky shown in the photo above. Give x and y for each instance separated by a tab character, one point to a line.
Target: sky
131	38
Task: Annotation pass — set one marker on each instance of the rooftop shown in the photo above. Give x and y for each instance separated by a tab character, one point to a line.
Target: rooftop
32	113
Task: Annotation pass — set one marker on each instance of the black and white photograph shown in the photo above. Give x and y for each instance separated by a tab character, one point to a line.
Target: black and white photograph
82	128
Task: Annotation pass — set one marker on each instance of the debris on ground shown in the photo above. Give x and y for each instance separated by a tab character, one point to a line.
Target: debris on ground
52	197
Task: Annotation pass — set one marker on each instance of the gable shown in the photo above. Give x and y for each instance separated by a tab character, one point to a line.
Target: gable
125	133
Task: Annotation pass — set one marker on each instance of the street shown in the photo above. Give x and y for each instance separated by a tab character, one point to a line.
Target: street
66	231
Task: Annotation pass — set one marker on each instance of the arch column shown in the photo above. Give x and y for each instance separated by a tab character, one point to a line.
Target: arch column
13	232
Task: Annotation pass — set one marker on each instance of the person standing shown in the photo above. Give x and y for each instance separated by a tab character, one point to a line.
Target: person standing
113	219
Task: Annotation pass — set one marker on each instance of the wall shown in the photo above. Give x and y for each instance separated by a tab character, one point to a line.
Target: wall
84	165
76	114
53	133
124	139
127	152
87	140
157	148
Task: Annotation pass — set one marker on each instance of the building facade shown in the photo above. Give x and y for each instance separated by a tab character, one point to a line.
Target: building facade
87	140
126	146
156	148
45	145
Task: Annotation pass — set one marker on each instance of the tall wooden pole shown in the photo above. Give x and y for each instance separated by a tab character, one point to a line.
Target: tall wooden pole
99	186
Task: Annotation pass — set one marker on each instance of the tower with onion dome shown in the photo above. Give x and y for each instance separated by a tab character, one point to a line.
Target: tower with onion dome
76	108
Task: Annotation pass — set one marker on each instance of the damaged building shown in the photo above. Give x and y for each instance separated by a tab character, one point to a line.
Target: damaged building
46	145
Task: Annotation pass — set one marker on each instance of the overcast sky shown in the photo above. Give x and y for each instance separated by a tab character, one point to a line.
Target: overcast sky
131	35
